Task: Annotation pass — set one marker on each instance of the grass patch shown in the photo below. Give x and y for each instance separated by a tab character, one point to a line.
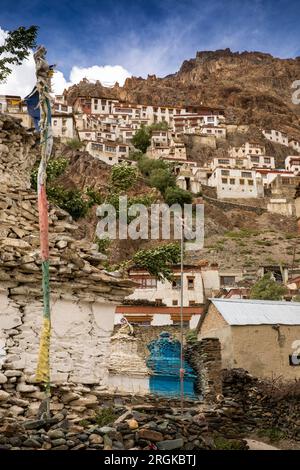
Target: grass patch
274	434
244	233
220	443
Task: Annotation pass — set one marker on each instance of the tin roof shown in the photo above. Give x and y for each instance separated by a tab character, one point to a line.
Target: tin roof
258	312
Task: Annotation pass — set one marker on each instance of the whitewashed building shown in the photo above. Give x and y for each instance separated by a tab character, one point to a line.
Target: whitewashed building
276	136
292	163
236	183
155	302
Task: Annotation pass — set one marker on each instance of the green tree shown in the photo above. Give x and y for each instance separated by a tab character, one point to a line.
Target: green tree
16	48
146	165
161	179
267	289
175	195
123	176
158	261
141	139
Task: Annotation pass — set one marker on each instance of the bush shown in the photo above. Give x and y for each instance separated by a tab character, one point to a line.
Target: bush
74	144
95	197
146	166
157	260
71	200
267	289
123	176
55	168
103	244
161	179
175	195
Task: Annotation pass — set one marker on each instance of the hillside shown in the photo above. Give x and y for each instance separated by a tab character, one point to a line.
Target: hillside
255	88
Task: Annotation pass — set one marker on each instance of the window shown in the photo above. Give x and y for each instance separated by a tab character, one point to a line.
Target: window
96	107
174	302
246	174
191	303
158	302
55	122
225	172
191	283
176	283
267	160
224	180
232	181
227	280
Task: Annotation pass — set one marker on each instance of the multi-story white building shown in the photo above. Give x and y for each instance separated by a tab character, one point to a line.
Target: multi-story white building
210	129
249	148
276	136
247	162
295	144
109	152
162	298
63	126
292	163
236	183
14	106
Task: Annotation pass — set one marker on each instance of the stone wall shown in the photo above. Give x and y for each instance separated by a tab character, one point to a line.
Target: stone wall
205	357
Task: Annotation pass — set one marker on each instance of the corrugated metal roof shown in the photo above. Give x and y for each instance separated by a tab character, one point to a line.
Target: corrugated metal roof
258	312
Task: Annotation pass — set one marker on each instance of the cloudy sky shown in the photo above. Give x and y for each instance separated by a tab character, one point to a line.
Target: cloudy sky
110	40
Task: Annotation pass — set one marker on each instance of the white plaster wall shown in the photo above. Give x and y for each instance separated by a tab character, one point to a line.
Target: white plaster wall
123	383
161	319
167	293
79	342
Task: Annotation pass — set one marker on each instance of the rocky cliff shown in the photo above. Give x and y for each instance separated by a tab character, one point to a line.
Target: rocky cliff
254	87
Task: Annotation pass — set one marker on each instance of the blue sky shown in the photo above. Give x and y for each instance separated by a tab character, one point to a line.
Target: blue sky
142	37
154	36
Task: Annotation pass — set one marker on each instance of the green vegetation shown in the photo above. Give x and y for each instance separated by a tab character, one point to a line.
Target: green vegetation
71	200
16	48
103	244
191	336
175	195
157	261
243	233
74	144
161	179
74	201
267	289
274	434
142	138
146	166
123	176
220	443
55	168
104	417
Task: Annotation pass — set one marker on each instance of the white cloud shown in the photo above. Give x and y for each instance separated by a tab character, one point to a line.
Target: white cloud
22	79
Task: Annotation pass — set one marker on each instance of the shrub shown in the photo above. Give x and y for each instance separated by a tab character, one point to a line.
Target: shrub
103	244
71	200
157	260
267	289
146	165
175	195
74	144
123	176
94	196
161	179
55	168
